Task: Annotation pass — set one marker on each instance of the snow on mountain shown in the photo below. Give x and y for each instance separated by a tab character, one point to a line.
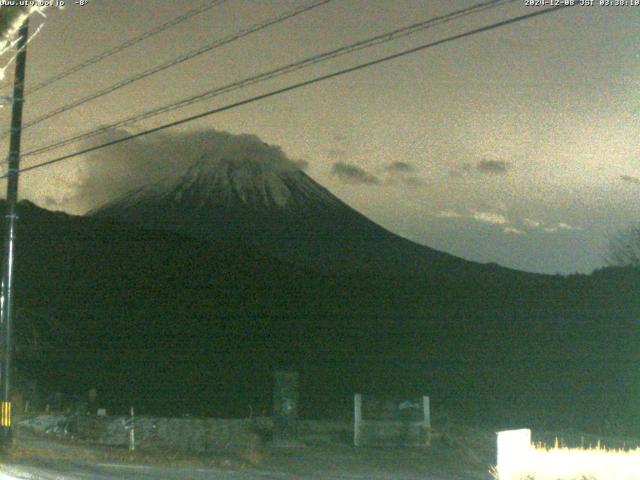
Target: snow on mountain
257	181
270	183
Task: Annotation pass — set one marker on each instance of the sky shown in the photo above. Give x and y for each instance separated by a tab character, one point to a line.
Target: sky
517	146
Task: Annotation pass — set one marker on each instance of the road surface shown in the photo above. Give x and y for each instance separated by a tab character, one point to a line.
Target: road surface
49	459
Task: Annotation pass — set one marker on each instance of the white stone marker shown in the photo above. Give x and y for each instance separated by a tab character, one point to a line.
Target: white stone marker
513	449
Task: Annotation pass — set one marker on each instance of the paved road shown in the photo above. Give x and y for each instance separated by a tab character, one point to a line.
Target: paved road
65	470
58	469
68	462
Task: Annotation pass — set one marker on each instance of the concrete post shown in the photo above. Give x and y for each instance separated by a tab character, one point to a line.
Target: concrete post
285	408
426	411
357	418
132	432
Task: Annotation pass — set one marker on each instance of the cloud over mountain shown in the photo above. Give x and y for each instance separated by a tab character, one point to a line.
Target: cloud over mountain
108	173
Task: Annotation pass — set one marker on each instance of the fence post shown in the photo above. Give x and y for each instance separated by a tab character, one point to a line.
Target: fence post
426	411
132	432
357	418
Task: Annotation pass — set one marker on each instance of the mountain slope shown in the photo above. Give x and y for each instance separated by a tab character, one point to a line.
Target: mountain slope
277	208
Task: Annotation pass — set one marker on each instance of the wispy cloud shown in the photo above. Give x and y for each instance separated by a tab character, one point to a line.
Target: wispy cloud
512	231
349	173
566	226
630	179
401	167
413	181
487	217
528	222
549	227
509	226
490	217
401	172
493	167
449	214
482	167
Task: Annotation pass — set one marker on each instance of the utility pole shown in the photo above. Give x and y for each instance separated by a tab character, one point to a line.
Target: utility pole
6	299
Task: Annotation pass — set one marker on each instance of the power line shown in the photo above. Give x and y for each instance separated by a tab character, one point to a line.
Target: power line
295	86
123	46
176	61
271	74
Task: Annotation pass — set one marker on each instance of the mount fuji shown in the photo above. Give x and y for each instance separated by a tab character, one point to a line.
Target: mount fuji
268	203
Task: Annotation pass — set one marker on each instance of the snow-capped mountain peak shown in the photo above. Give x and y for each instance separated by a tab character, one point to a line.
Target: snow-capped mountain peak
247	180
257	182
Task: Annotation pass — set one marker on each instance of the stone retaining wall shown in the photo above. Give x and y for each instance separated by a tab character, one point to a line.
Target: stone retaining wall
198	435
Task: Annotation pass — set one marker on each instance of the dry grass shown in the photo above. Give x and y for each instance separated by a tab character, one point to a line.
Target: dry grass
245	458
254	453
558	463
474	446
